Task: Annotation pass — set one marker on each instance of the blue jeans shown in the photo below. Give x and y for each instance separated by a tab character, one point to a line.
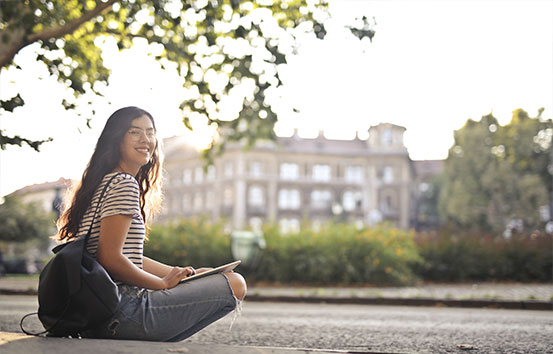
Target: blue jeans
168	315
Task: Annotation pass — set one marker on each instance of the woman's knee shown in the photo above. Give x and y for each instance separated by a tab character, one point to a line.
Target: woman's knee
238	285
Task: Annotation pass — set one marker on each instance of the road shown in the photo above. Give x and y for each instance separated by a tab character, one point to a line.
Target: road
359	328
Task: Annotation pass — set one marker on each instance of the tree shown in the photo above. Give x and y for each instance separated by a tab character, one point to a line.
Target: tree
20	222
527	146
220	48
497	176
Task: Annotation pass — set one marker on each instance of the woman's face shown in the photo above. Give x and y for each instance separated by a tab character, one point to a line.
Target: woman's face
137	145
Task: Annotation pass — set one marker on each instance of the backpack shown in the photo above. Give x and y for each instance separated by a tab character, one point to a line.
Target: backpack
75	293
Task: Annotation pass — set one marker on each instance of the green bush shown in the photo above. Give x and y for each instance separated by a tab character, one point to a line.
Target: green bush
337	254
341	254
193	242
451	255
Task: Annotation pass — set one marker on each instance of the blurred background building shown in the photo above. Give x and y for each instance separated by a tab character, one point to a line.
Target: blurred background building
297	181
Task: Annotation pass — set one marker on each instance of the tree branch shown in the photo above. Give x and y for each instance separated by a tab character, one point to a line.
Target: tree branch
16	45
71	26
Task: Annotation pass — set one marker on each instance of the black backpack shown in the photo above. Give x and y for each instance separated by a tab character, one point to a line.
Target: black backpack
75	293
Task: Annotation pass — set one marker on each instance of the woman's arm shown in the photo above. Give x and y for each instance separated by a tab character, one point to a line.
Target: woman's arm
113	232
155	267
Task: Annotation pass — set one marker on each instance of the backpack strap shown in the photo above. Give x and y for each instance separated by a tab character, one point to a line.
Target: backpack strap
98	207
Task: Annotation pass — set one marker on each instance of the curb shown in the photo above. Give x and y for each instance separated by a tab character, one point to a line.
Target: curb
496	304
18	292
534	305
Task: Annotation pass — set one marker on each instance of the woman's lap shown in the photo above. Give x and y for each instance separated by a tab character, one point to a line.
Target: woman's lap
169	315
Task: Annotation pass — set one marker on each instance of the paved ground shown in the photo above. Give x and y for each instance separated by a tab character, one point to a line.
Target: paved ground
344	327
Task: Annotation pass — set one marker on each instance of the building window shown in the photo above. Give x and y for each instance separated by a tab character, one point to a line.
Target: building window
198	175
227	197
321	173
354	174
255	169
388	175
256	224
289	199
386	137
424	187
321	199
388	203
198	202
288	226
187	176
210	173
352	200
255	196
228	170
289	171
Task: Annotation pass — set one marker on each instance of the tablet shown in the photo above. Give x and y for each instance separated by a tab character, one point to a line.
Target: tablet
220	269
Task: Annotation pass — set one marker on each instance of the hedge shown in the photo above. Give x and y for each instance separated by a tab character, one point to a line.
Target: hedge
342	254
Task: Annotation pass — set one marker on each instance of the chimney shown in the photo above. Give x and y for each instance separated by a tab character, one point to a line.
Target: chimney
321	134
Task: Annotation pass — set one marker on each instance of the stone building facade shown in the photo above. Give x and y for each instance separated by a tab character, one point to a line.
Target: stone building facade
296	181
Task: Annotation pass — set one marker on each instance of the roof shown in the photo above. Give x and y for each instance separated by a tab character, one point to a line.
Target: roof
62	183
294	143
322	145
428	168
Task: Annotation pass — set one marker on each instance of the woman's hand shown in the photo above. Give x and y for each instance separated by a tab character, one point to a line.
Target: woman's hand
201	270
175	275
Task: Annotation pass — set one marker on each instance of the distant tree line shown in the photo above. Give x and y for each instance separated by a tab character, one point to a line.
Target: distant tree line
20	221
496	178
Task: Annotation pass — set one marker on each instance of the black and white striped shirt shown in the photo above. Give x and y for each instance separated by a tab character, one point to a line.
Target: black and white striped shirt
121	198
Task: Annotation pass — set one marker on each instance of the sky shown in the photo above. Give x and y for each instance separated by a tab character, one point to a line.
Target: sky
431	66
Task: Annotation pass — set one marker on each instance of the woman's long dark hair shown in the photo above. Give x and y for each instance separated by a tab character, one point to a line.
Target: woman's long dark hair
105	159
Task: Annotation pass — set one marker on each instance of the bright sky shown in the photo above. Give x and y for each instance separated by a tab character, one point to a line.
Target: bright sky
431	66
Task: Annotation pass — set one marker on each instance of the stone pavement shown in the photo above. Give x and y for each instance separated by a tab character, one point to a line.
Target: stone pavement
500	295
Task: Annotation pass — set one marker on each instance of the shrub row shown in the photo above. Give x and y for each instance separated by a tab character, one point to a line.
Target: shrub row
189	242
451	255
338	254
343	254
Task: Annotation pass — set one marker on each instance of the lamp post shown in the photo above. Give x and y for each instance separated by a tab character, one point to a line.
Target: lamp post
338	212
57	204
247	246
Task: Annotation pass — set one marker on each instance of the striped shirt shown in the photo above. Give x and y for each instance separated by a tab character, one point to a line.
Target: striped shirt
121	198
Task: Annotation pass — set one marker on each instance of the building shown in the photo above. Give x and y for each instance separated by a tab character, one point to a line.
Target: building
49	195
296	181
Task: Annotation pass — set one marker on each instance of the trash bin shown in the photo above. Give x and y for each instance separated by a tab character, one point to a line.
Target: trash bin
247	246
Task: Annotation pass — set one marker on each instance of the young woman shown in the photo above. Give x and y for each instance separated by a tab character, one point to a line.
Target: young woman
154	306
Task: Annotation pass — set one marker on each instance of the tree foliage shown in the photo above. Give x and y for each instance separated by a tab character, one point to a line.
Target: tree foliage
20	222
498	177
221	48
